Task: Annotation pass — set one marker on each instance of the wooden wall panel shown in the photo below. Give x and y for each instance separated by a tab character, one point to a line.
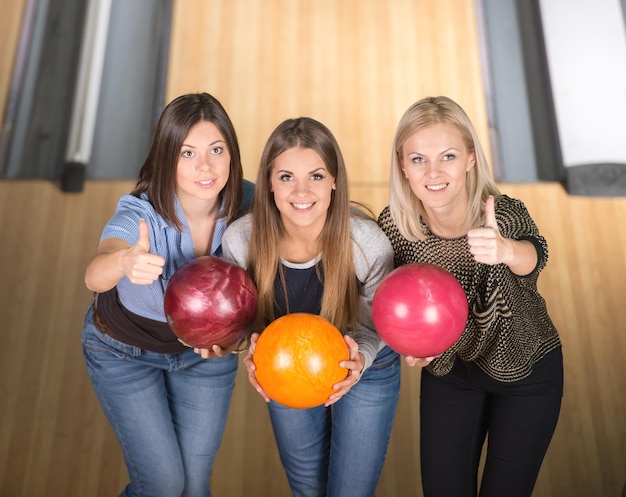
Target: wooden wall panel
10	24
355	65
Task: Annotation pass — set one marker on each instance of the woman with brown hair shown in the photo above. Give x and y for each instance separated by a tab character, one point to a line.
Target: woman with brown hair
309	251
167	406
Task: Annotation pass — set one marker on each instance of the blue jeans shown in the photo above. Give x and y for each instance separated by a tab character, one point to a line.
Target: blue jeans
339	451
168	411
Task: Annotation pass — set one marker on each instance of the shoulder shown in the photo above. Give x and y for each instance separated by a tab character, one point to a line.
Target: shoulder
129	211
373	253
369	237
240	226
236	240
238	231
138	205
385	213
504	202
514	221
512	211
362	229
385	221
388	225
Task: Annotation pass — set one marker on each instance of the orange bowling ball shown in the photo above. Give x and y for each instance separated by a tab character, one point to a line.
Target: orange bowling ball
297	360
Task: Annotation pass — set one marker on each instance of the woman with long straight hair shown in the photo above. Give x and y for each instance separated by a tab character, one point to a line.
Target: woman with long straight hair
166	404
503	378
309	250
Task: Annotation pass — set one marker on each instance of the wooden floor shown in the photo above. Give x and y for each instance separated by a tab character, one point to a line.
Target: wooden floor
54	440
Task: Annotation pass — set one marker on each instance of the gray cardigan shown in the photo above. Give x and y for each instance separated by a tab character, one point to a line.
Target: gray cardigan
373	257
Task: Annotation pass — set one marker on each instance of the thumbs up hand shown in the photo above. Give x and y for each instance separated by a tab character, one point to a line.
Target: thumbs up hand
138	264
487	244
144	236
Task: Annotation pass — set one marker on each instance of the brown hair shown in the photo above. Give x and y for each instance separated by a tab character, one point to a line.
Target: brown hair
157	176
340	301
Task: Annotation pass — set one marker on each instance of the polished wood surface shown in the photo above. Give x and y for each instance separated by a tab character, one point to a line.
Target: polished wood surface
55	441
355	65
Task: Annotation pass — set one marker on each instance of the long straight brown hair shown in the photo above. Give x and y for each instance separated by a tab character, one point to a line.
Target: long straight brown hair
157	176
340	301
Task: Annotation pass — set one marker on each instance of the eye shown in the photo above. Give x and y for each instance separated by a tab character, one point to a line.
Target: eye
217	150
284	177
449	157
187	153
317	176
417	160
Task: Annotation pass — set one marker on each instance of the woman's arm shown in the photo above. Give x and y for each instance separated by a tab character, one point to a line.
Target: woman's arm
116	258
488	246
373	260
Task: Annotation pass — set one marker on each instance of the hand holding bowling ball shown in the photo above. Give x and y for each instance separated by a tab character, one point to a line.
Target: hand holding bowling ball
420	310
297	358
210	301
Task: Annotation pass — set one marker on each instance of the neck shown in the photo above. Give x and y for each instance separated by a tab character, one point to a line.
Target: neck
299	245
201	210
447	223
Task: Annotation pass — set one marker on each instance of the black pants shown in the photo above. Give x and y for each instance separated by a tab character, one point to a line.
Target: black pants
459	409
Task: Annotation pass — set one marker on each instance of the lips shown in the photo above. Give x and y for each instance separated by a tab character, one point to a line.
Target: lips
436	188
206	182
302	205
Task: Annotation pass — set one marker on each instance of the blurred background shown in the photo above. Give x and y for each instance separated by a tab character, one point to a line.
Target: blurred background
82	83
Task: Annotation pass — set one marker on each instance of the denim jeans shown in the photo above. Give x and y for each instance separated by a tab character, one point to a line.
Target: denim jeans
339	451
168	411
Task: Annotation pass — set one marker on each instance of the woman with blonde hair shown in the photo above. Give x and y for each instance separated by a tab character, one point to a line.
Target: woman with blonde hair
503	378
309	251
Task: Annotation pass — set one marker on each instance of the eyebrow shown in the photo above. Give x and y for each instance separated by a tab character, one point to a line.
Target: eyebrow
310	172
440	153
219	140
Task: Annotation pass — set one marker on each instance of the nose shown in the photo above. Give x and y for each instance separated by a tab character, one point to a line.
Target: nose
433	168
204	162
301	187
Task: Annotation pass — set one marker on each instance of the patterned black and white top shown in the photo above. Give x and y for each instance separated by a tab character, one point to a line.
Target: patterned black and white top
508	329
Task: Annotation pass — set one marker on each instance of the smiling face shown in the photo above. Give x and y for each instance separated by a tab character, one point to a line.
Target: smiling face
302	188
203	165
435	161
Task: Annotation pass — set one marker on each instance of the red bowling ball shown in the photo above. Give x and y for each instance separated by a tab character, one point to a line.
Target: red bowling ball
420	310
210	301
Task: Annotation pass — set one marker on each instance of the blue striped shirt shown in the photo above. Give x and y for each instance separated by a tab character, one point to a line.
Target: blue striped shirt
174	246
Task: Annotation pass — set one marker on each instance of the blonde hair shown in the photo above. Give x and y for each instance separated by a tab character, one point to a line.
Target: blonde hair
405	208
340	301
